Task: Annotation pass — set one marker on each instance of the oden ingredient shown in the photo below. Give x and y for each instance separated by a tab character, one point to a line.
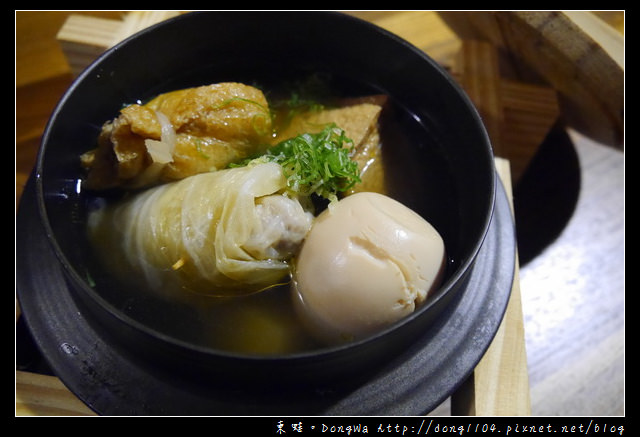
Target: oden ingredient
179	134
359	119
367	262
228	232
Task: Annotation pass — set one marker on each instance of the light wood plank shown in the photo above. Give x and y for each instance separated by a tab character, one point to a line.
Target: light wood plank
43	395
83	38
499	385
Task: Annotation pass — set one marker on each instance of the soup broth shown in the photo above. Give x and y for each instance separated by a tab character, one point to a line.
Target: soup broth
265	323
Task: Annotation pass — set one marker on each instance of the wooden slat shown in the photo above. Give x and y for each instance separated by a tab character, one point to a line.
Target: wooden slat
499	385
83	38
43	395
517	115
576	53
530	112
479	72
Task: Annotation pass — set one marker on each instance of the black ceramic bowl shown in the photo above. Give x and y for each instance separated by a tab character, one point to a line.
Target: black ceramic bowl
444	170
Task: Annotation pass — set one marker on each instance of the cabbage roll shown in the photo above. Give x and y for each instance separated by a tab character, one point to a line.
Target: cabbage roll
179	134
221	233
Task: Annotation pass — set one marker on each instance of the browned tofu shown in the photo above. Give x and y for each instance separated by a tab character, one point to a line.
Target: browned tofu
214	125
359	119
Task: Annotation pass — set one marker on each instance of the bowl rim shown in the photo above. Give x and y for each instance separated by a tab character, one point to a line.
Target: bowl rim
445	289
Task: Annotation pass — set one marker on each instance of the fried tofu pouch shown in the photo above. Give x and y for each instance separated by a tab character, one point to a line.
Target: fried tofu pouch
179	134
359	119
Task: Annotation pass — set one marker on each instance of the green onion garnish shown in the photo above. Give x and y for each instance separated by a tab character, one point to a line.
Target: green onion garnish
315	163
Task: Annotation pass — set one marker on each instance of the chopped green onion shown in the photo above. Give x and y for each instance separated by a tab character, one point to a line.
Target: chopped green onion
317	163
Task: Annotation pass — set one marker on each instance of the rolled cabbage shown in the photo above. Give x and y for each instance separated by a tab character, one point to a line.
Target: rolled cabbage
224	233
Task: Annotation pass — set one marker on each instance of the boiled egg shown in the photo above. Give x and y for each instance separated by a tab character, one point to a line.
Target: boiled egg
367	262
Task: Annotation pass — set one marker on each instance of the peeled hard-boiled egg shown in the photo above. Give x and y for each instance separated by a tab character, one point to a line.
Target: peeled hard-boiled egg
367	262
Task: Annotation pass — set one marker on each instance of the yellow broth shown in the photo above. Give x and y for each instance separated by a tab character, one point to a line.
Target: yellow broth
265	323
